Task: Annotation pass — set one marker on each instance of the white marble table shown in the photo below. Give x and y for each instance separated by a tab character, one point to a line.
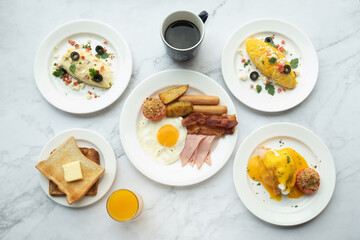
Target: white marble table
209	210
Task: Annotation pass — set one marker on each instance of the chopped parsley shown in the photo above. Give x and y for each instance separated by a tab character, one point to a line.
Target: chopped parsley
87	46
58	73
247	63
288	159
270	88
272	60
72	68
262	61
294	63
105	55
258	88
259	184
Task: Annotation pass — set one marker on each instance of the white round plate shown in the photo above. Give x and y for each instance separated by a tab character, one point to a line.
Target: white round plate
288	211
173	174
89	139
298	46
64	97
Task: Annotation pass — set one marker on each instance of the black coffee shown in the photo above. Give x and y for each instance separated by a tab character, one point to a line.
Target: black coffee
182	34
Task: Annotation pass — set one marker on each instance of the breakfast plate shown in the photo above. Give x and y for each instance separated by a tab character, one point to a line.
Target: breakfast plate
81	34
288	211
89	139
255	94
173	174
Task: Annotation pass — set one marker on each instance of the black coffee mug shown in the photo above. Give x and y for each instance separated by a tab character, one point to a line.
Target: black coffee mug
182	33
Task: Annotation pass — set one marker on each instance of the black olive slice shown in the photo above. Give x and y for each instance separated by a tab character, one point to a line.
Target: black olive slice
268	39
63	70
75	56
99	49
97	77
287	69
254	75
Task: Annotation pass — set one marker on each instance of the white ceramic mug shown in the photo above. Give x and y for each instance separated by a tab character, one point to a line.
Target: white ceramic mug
185	54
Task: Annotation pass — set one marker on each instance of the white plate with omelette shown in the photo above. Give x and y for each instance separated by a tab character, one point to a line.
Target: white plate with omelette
173	174
287	211
85	33
88	139
234	66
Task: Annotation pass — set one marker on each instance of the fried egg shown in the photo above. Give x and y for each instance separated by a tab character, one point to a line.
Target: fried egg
163	140
276	170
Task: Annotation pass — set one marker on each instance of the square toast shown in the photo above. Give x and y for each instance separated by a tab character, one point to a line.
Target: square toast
52	169
91	154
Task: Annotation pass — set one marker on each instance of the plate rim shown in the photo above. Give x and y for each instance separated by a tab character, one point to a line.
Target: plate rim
128	72
278	21
127	152
237	166
111	162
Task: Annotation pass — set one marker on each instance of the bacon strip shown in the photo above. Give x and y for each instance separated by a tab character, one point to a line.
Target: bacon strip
224	121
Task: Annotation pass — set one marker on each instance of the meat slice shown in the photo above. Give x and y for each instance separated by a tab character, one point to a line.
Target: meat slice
208	159
203	150
191	143
208	130
222	121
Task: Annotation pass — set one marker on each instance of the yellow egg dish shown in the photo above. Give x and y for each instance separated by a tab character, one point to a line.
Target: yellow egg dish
276	170
85	67
263	55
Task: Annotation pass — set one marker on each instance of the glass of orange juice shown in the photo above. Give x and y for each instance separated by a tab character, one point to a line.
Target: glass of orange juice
124	205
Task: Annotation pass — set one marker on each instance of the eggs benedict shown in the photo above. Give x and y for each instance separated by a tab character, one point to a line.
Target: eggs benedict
276	170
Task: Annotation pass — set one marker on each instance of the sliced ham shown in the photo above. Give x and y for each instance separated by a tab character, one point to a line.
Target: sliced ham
208	159
191	143
203	150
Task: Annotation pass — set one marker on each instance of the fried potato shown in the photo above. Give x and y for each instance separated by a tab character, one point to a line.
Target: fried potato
173	94
179	109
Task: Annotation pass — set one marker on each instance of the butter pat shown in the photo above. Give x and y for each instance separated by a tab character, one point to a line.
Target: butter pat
72	171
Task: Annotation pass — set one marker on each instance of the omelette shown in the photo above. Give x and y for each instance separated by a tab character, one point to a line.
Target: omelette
87	68
270	62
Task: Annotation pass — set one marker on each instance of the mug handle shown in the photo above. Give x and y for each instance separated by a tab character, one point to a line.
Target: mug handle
203	15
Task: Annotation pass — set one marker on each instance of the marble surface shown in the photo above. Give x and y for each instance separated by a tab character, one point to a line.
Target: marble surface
209	210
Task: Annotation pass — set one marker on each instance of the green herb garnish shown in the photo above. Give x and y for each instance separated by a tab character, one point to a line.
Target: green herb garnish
272	60
258	88
272	43
288	159
58	73
259	184
247	63
294	63
102	56
72	68
270	88
87	46
92	73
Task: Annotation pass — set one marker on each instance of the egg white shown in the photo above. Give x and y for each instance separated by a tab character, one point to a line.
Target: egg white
147	135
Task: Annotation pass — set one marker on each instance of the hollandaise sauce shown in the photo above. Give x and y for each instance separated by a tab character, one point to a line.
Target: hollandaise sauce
123	205
276	170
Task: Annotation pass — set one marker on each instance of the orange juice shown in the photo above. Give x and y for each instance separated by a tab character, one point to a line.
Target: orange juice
123	205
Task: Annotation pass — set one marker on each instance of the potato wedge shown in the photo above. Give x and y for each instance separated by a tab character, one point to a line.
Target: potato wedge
173	94
179	109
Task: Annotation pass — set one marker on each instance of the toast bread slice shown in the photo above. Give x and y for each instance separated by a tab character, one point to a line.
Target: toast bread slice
91	154
52	169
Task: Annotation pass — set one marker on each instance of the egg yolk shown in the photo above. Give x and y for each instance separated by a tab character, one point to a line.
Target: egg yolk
274	169
168	135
